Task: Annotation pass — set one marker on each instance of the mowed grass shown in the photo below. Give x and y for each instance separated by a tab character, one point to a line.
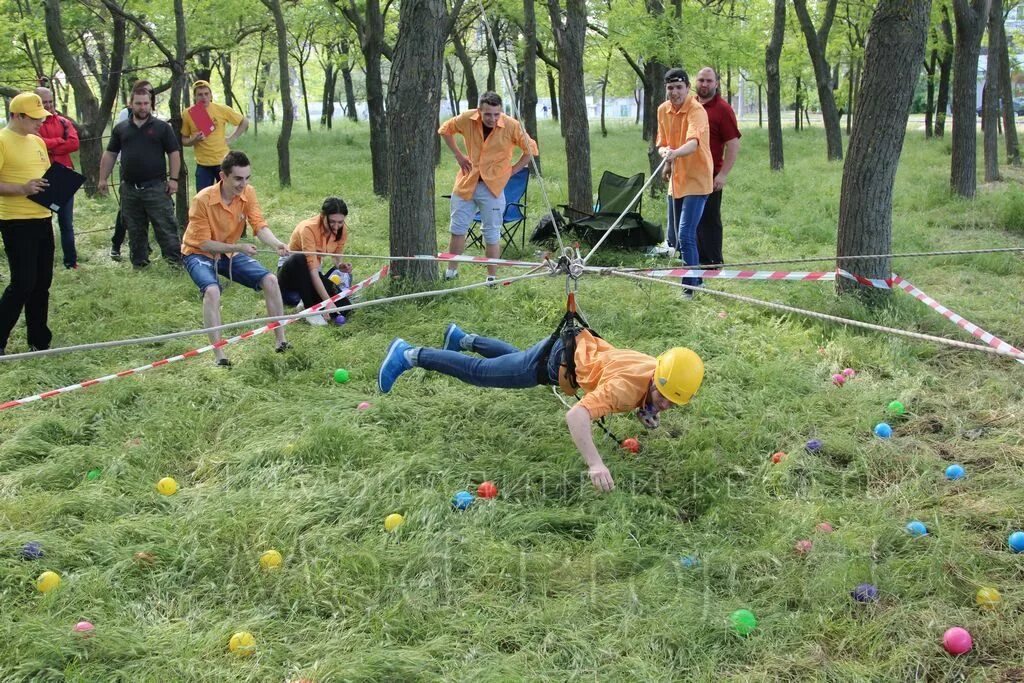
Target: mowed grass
550	581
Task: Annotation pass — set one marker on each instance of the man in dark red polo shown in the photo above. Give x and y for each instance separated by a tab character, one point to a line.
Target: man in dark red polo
725	147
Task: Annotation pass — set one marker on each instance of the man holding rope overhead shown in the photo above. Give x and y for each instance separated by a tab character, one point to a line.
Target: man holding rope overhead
615	380
683	140
484	170
300	275
210	245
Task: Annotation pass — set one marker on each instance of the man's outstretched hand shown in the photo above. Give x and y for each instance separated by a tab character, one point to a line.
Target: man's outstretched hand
601	478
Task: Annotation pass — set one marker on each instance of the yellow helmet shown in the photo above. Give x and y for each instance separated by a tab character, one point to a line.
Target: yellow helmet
678	374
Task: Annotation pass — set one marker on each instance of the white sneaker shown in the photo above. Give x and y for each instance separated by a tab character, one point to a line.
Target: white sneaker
316	320
450	274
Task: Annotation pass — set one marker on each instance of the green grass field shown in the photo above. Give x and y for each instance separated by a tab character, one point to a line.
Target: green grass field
550	581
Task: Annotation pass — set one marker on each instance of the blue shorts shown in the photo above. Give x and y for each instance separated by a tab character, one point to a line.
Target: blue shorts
243	269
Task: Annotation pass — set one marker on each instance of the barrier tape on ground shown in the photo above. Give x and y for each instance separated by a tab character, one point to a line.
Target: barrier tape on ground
373	279
803	276
958	320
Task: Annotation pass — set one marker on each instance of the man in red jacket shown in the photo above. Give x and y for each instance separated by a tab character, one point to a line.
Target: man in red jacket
61	138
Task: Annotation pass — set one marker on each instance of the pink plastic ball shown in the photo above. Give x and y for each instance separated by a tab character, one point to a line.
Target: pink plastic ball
803	547
825	528
957	641
838	380
365	405
84	627
849	373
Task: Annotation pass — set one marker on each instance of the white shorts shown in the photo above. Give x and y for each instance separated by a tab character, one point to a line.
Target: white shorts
490	208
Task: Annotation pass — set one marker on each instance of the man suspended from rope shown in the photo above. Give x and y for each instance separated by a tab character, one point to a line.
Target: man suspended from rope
615	380
484	170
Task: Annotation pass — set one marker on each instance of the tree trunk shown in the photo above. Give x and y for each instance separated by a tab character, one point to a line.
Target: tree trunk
350	91
226	80
945	73
284	169
604	92
553	95
529	111
205	68
851	91
930	68
760	108
817	43
462	54
178	90
305	95
990	95
971	17
327	106
93	114
570	34
773	84
654	95
494	28
453	97
892	60
414	97
1006	86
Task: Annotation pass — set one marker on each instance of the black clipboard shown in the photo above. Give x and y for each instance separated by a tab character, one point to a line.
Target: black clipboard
64	183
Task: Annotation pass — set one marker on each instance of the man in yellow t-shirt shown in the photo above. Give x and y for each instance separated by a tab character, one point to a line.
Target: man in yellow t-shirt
615	380
210	149
26	227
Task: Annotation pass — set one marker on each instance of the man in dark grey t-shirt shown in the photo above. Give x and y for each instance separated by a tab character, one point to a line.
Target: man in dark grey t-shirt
146	190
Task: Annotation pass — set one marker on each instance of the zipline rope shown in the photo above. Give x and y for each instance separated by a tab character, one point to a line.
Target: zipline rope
259	321
830	318
518	116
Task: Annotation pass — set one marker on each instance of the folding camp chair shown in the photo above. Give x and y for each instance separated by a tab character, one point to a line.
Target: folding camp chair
614	193
514	220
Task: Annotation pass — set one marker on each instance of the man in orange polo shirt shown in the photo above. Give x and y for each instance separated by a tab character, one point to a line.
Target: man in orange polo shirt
210	245
484	170
615	380
684	141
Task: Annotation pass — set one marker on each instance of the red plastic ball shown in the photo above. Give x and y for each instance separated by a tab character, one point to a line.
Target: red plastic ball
487	490
631	445
778	457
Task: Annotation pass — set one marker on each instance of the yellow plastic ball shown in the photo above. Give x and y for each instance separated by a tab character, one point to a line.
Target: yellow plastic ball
270	560
987	598
242	644
167	486
47	581
393	521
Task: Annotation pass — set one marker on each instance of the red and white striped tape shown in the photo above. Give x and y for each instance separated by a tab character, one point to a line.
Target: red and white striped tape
766	275
987	337
373	279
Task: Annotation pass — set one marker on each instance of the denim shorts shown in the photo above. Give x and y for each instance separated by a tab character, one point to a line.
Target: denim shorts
484	207
243	269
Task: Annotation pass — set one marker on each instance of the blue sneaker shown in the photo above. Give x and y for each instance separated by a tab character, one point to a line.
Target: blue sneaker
394	364
453	338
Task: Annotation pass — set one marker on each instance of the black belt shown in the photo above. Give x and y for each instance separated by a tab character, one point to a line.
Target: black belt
145	184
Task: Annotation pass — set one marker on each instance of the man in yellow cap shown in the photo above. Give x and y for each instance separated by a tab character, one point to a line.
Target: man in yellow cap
210	149
26	227
615	380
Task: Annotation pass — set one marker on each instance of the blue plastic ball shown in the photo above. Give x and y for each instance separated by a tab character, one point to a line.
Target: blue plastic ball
883	430
689	561
1016	541
33	550
865	592
955	472
916	529
462	500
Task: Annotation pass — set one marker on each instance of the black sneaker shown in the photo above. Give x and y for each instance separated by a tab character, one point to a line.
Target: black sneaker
283	346
115	254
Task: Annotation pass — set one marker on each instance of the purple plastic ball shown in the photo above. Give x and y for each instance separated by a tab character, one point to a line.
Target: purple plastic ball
865	592
814	445
340	319
32	550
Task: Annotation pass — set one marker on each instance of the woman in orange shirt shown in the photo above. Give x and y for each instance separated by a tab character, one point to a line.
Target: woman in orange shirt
300	275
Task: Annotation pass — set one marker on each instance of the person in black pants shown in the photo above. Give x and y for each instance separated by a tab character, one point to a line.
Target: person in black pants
146	190
25	227
300	276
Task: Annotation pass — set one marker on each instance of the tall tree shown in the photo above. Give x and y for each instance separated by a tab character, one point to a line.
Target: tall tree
773	83
991	94
529	112
817	43
284	168
971	17
892	61
93	114
945	72
1006	85
368	22
569	29
414	100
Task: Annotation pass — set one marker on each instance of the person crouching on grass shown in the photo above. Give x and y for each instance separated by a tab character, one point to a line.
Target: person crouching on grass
210	245
299	274
615	380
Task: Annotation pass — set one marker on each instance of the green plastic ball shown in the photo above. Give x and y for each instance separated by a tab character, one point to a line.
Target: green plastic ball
743	621
93	475
341	375
896	408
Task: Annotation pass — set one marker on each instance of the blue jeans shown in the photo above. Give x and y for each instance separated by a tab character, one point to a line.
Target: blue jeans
66	221
206	176
503	366
242	268
688	211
